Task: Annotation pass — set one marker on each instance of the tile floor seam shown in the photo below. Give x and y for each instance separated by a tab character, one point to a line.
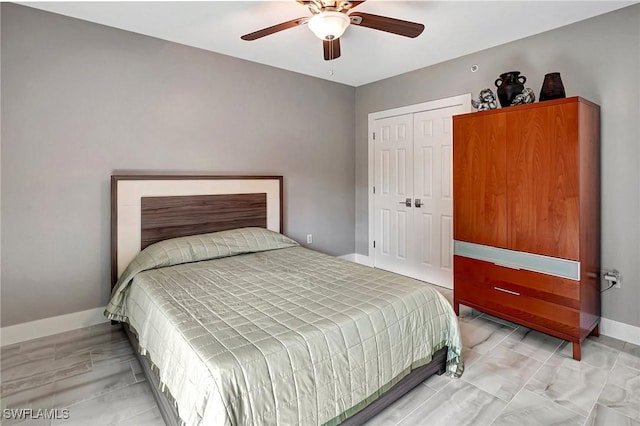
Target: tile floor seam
137	413
482	390
425	401
130	417
507	335
70	407
135	379
605	385
557	351
500	412
586	419
521	389
571	409
99	394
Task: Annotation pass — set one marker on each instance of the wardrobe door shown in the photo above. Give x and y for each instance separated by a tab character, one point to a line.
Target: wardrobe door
542	181
479	179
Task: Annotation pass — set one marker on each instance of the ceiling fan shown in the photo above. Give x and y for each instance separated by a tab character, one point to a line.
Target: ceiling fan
331	18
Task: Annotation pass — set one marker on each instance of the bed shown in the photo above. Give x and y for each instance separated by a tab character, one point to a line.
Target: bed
235	323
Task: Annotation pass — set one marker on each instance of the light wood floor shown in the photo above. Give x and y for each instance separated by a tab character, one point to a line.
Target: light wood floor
513	376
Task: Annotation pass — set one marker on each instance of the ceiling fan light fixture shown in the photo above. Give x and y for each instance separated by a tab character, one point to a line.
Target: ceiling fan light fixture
329	25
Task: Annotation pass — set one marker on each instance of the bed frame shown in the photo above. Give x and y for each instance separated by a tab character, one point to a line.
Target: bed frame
150	208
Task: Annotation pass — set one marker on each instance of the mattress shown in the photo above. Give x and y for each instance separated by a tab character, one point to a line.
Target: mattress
248	327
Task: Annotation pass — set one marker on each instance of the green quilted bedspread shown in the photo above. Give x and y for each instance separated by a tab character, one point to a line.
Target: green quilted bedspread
247	327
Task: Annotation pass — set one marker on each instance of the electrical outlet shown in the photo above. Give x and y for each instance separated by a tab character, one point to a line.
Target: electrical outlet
618	283
613	278
309	239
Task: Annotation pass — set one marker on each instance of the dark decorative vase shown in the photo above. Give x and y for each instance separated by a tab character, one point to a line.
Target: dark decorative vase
510	84
552	87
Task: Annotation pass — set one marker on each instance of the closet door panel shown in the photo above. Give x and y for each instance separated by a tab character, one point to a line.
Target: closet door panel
393	150
543	182
479	179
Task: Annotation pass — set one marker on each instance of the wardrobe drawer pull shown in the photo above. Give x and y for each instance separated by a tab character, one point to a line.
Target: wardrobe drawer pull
515	293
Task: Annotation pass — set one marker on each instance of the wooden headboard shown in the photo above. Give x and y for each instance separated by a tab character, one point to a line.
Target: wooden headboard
149	208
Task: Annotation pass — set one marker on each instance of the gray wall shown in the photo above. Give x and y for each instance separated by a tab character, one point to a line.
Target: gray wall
599	59
82	101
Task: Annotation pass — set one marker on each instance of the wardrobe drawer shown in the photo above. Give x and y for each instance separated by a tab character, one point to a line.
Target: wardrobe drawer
487	275
534	313
517	296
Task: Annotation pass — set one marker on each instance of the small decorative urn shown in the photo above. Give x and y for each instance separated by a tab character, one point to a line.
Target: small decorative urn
552	87
510	84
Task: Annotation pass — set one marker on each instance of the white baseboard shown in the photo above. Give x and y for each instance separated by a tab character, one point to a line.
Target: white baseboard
619	330
351	257
49	326
358	258
363	259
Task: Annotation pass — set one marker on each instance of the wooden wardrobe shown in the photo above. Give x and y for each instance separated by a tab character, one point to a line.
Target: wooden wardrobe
526	209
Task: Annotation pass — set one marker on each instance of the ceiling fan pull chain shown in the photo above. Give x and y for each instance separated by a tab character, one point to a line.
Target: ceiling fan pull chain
331	56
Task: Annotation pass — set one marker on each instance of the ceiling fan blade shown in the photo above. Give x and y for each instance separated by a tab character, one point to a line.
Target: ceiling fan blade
331	49
274	29
390	25
356	3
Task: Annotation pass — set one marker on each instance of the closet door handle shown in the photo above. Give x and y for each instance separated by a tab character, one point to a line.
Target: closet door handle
504	290
406	202
418	203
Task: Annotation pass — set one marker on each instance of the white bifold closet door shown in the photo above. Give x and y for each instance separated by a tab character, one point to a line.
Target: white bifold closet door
413	204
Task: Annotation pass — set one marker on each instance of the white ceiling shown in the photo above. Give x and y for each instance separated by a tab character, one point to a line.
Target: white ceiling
453	29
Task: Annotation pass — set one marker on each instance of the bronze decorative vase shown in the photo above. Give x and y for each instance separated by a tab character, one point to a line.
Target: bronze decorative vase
510	84
552	87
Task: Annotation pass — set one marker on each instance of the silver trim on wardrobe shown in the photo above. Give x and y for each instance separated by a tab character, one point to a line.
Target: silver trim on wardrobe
562	268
